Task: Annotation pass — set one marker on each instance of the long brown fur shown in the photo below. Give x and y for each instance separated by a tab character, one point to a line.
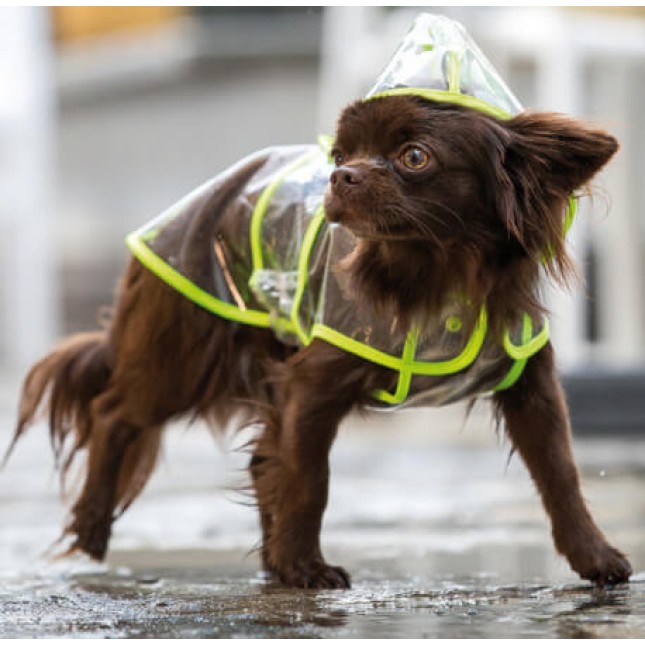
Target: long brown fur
483	218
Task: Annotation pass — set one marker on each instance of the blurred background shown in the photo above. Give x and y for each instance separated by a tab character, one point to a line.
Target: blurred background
110	114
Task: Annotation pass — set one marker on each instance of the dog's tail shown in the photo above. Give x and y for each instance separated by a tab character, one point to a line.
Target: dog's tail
63	384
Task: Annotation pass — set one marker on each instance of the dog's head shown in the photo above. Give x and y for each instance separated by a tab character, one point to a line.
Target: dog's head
443	198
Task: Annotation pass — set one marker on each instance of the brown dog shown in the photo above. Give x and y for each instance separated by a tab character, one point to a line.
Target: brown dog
441	199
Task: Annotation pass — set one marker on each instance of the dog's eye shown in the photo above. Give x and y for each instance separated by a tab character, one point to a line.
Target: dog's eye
414	158
337	156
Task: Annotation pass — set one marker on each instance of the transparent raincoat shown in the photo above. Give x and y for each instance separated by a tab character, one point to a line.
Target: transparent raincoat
253	246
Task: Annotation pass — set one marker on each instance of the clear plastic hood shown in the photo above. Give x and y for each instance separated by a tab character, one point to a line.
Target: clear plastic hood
438	54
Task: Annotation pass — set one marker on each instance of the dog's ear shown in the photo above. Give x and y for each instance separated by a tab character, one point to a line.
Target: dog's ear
564	152
546	158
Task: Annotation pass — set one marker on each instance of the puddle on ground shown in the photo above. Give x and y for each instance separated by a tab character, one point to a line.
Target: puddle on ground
181	598
441	541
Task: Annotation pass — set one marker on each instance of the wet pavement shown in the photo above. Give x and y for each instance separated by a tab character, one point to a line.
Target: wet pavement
443	538
187	599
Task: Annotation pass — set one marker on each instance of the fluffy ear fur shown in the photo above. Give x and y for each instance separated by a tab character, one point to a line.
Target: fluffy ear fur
546	158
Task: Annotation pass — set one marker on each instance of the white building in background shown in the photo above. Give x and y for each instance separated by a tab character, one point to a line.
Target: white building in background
28	285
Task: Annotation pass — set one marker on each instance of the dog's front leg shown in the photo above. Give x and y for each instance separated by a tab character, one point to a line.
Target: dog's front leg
537	422
300	496
291	469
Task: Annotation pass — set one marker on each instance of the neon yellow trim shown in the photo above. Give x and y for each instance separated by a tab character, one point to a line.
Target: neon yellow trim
453	365
454	73
570	215
303	272
405	373
421	368
518	366
156	265
333	337
527	349
257	218
443	96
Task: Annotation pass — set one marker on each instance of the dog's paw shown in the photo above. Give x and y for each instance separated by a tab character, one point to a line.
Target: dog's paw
90	534
314	575
604	565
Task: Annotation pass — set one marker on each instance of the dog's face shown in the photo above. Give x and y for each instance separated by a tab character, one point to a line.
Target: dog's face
413	170
409	170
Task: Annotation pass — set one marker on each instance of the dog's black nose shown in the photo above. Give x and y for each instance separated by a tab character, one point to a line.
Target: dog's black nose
346	175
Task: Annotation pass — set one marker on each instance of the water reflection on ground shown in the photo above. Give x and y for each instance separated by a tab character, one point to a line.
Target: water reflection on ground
179	600
442	537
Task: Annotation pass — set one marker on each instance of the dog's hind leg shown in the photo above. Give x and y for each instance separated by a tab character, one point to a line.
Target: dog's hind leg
155	334
537	423
121	456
